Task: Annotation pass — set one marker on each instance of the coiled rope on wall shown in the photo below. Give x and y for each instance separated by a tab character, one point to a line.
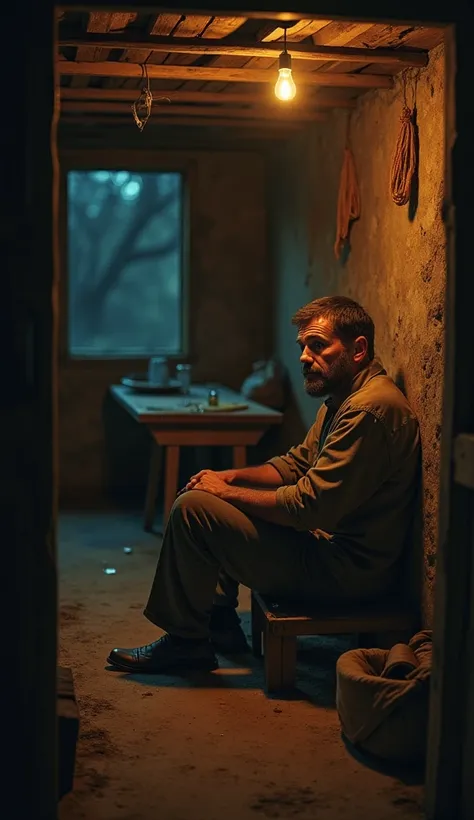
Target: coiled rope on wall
348	202
404	160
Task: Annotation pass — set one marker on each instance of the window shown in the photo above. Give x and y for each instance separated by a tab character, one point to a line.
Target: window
125	263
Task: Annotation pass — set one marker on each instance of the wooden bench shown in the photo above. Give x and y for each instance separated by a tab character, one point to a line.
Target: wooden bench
276	624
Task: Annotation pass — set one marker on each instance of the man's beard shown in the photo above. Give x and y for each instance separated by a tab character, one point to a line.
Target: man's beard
336	380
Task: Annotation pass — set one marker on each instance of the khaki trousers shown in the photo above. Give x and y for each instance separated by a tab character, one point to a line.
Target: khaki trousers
209	547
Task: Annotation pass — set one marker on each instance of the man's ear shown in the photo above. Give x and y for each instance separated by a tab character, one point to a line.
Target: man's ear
361	347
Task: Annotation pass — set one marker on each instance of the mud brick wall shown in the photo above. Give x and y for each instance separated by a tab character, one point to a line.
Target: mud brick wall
396	265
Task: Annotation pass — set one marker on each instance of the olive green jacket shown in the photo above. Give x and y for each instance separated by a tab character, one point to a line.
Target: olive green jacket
357	488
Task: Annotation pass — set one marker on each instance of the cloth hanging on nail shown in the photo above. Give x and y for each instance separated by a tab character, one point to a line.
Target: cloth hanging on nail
348	203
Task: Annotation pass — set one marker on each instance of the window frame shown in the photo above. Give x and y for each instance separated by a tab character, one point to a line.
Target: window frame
139	162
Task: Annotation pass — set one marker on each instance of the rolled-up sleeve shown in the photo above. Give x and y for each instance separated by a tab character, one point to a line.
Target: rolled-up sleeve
352	465
298	460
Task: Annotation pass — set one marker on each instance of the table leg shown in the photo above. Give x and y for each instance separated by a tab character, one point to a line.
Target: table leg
171	480
152	486
239	456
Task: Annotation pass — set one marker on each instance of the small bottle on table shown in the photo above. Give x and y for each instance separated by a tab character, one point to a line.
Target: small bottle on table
213	398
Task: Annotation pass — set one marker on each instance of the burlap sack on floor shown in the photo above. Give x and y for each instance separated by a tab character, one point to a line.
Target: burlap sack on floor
387	718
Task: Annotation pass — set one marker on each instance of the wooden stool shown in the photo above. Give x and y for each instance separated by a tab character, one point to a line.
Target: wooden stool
280	622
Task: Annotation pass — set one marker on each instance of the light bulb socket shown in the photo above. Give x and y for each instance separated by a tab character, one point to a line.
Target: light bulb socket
285	60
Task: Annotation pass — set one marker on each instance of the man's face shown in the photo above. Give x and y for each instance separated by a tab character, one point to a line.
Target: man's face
327	364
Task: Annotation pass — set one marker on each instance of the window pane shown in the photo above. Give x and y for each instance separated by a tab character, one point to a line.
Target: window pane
125	240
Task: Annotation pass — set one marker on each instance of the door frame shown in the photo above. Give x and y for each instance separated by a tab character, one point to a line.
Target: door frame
34	350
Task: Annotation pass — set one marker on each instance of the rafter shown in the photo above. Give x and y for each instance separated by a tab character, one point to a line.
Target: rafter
227	75
164	111
245	48
208	122
205	97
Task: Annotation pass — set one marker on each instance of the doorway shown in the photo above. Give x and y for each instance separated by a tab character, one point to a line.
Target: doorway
462	416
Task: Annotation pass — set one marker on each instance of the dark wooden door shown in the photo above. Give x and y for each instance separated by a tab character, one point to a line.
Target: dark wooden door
27	463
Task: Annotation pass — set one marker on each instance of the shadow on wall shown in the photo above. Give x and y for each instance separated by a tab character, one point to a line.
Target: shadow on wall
413	562
400	382
415	559
415	182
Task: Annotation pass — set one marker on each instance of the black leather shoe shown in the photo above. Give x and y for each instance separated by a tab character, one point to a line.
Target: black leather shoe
165	655
227	636
229	641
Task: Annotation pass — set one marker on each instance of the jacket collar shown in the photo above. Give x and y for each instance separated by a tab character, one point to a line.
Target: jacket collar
374	368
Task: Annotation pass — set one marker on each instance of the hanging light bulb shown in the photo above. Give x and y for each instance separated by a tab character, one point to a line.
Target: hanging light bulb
285	88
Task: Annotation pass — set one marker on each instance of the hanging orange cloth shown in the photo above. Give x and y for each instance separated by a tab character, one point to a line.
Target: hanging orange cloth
404	159
348	203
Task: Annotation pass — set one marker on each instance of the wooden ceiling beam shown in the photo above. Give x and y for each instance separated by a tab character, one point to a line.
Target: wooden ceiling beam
208	122
203	97
227	75
299	31
273	15
301	51
274	113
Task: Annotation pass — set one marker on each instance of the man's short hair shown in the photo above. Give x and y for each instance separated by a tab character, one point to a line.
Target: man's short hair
348	319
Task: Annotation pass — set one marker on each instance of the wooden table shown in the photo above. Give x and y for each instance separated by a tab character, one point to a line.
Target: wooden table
173	425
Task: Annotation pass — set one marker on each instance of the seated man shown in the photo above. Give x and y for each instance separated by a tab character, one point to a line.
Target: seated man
326	521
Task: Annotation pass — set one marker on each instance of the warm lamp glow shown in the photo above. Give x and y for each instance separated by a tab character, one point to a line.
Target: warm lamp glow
285	88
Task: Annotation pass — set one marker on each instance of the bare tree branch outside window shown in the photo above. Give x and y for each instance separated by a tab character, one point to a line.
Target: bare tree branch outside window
125	253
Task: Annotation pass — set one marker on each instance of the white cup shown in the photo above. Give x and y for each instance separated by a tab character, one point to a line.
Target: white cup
158	371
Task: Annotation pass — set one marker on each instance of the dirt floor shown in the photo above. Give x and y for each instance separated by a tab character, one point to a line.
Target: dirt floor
209	746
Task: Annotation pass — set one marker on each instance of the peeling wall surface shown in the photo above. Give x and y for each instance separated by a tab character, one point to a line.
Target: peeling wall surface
102	450
396	266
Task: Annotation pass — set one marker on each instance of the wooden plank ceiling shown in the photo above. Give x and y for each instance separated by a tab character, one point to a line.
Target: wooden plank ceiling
221	71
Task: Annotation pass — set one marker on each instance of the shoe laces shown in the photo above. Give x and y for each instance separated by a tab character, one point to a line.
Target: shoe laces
149	647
